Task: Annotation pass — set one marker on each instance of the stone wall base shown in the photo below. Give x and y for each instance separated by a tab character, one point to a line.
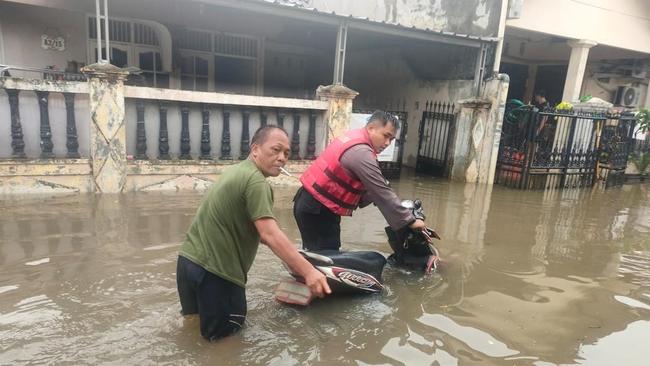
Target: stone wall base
75	175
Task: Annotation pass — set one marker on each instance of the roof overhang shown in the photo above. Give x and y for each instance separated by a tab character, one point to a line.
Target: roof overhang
313	15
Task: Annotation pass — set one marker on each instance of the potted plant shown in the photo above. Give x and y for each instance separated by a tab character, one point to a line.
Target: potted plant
641	162
564	107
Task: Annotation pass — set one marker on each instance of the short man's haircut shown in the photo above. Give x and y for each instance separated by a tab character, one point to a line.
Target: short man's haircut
540	93
384	118
262	133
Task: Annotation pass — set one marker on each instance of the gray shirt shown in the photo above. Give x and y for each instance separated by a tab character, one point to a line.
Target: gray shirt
360	162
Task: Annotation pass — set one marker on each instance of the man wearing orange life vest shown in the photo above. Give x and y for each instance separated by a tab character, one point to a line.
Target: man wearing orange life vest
347	176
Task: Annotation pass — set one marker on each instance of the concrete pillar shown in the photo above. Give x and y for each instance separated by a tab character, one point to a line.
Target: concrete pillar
576	71
530	84
478	133
496	91
500	34
339	111
470	130
107	128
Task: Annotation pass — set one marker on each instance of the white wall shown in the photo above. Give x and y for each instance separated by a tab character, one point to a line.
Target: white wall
2	46
382	79
606	89
22	27
461	16
617	23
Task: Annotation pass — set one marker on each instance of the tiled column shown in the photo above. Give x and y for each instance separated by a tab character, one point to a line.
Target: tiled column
339	111
107	128
478	133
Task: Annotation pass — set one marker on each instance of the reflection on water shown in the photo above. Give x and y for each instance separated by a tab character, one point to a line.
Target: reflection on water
532	278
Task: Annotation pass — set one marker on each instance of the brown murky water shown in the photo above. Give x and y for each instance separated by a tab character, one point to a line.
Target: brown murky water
532	278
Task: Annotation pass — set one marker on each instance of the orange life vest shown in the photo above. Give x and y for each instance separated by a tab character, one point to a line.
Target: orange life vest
327	181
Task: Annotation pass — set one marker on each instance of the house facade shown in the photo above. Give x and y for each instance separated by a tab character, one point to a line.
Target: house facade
223	68
572	49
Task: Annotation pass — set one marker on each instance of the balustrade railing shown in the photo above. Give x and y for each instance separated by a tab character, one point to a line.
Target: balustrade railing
161	124
172	124
19	108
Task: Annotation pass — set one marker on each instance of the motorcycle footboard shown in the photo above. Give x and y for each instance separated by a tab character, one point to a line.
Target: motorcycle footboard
290	291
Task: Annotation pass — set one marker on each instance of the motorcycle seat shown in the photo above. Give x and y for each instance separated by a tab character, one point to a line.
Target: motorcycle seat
365	261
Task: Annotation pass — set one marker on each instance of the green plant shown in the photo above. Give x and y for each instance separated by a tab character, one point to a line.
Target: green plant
641	162
564	106
643	120
585	98
514	111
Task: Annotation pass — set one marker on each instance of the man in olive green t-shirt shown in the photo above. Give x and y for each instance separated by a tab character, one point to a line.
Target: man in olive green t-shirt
222	241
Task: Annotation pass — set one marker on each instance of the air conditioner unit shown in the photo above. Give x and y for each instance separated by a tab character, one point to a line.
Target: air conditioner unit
627	96
514	9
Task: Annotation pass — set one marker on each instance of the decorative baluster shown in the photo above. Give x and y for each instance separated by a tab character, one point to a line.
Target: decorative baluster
225	136
244	147
141	135
46	131
163	135
280	118
311	137
185	133
295	137
72	143
17	143
263	118
205	133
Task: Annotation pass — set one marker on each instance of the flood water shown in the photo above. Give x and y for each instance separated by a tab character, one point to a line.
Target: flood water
531	278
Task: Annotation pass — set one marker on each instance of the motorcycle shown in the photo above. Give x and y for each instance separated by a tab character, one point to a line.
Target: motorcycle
359	272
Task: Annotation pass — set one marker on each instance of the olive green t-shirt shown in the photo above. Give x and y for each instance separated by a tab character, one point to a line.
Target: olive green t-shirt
222	238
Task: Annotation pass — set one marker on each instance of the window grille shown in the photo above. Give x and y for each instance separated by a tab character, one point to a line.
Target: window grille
119	30
235	45
195	40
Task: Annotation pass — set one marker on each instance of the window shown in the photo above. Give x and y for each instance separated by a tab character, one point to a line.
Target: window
131	44
195	72
234	74
118	30
119	55
150	63
230	61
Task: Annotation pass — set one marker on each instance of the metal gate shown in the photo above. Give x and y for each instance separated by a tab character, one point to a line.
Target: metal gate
435	135
617	142
560	149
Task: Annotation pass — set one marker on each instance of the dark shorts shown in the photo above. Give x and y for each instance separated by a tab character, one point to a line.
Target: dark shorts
319	227
221	304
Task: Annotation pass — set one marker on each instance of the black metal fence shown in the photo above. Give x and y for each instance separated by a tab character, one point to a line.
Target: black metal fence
561	149
435	136
616	145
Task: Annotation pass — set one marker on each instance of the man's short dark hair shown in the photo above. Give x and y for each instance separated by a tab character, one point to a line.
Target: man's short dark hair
541	93
262	133
384	118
